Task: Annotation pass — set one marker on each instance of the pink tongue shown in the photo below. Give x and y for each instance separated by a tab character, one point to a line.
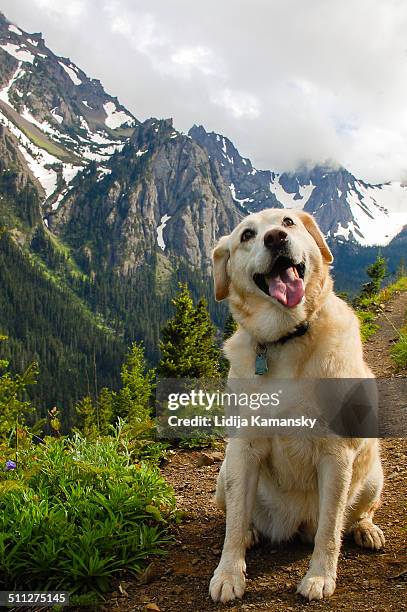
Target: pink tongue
287	288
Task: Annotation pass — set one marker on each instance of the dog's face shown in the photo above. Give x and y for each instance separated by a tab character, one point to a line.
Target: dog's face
273	256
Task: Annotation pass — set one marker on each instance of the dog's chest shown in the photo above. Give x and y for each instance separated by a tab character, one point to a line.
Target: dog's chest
291	464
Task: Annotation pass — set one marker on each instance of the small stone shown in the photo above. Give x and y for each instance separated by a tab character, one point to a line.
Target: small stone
217	456
152	606
195	561
205	459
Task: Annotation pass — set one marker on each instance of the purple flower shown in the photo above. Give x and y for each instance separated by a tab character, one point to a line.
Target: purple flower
11	465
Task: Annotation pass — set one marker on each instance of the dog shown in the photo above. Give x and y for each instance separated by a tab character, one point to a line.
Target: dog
274	270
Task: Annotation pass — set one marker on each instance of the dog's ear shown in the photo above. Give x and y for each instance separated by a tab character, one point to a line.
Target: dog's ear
313	229
220	257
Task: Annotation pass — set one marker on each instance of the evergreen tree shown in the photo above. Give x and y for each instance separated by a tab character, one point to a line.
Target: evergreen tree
105	407
13	408
207	353
402	269
133	401
188	347
376	272
86	411
230	327
228	331
177	339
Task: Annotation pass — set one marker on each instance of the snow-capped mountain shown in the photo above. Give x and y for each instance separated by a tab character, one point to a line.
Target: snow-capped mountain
61	119
346	208
179	191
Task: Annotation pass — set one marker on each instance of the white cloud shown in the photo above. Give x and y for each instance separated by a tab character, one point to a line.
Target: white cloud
286	80
238	103
60	8
194	58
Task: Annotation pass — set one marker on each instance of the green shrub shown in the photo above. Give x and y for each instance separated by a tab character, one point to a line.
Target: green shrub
367	326
13	409
75	512
399	350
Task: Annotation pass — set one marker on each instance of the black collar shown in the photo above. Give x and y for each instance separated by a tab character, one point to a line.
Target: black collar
298	331
261	349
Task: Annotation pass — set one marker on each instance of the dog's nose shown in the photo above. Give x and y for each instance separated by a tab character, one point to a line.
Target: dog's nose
275	238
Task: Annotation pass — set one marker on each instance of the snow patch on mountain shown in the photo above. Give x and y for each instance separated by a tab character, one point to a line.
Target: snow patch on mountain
379	213
291	200
15	29
70	71
58	118
241	201
42	164
4	93
116	118
19	53
160	229
44	126
38	160
69	172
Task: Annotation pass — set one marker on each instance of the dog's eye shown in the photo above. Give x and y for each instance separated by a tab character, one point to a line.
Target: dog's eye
288	222
248	234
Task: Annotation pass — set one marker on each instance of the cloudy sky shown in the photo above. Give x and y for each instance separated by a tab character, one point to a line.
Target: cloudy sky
289	81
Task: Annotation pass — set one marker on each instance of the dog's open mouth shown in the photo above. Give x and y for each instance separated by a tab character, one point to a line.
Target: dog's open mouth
284	282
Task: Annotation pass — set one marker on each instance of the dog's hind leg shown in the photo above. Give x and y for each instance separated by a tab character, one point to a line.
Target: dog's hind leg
220	498
365	533
253	537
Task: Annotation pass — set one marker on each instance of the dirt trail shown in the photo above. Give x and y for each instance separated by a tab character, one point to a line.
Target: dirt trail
366	581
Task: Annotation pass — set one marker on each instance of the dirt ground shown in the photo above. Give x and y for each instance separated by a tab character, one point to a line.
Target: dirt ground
366	581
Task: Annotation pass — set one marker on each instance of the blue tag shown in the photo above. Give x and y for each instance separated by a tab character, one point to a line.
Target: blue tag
261	364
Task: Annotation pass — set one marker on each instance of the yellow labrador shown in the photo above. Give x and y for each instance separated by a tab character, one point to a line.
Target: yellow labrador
274	270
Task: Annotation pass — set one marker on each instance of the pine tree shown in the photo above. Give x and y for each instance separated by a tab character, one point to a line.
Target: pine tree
401	269
133	401
188	347
105	405
207	355
230	327
177	338
376	272
13	409
88	424
228	331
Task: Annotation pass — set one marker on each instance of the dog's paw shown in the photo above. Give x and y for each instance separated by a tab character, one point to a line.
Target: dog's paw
316	587
368	535
227	585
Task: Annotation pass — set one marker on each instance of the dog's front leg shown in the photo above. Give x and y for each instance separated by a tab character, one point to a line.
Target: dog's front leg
241	477
334	477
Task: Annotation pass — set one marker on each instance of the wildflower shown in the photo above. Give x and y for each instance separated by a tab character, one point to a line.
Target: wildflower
11	465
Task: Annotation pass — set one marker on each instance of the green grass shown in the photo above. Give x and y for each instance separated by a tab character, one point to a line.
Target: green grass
75	513
44	143
385	294
369	307
398	351
367	326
